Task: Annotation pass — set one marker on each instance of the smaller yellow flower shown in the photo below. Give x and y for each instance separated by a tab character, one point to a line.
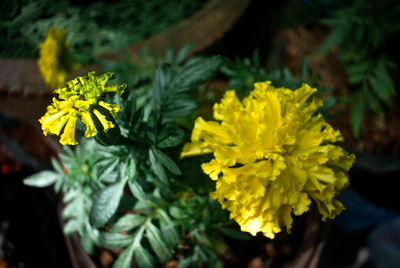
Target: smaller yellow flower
55	59
81	98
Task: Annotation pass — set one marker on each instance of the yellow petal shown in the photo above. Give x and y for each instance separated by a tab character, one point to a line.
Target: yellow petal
113	108
89	124
104	122
68	137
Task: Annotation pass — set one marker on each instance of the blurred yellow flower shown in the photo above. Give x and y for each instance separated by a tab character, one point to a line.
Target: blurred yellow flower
81	98
273	154
55	59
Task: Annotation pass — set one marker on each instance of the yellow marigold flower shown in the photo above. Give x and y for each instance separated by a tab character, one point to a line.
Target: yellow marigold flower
55	59
273	155
81	98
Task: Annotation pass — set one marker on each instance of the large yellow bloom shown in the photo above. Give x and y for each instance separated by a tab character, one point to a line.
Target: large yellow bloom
273	155
55	60
81	98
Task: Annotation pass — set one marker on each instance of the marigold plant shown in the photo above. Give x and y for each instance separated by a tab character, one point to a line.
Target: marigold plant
55	60
81	98
273	154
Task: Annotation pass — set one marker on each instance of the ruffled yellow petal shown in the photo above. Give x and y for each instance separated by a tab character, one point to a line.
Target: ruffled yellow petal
68	136
104	122
112	108
89	124
273	156
78	99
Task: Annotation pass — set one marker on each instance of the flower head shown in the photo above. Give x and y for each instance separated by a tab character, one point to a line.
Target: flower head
55	59
81	98
273	154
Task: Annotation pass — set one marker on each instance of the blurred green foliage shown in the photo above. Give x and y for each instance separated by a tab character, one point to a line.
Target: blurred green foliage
362	30
243	73
93	27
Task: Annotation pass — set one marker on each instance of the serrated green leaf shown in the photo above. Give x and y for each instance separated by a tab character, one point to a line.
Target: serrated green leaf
168	229
157	168
69	195
179	108
69	210
356	116
358	68
106	203
124	259
383	76
157	243
136	189
57	166
194	74
106	167
57	185
87	242
159	86
177	213
127	223
380	91
170	136
144	204
115	240
199	254
372	102
183	53
128	168
42	179
166	161
143	258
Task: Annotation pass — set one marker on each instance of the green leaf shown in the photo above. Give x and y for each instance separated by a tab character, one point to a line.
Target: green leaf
335	37
356	116
179	108
380	91
107	169
136	189
106	203
128	168
127	223
168	229
236	234
71	226
87	242
144	204
372	102
194	74
42	179
115	240
157	167
143	258
383	76
157	243
159	86
358	68
170	136
124	259
177	213
57	166
167	162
